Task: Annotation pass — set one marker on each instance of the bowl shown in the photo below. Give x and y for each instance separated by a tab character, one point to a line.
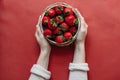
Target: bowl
68	42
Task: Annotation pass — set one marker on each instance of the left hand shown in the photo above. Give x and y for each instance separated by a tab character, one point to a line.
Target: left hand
83	30
79	53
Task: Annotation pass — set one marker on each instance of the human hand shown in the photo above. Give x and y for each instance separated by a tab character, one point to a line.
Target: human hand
43	59
83	30
44	45
79	54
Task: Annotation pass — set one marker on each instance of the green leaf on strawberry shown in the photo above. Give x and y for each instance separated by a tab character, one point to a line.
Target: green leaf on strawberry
59	19
76	22
64	27
60	32
49	37
68	11
54	22
46	13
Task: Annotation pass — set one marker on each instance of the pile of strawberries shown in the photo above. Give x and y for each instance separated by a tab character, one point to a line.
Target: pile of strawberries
60	24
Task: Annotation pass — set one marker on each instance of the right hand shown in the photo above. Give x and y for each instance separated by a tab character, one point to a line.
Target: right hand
44	45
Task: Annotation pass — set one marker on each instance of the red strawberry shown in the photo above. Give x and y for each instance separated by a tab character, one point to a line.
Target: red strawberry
67	35
73	30
59	19
45	20
59	39
52	24
64	26
71	20
47	33
57	31
50	12
68	11
59	9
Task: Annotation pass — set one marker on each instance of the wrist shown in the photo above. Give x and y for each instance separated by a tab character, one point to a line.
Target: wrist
45	50
79	54
43	59
79	43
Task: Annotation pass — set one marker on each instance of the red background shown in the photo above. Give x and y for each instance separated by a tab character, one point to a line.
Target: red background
19	49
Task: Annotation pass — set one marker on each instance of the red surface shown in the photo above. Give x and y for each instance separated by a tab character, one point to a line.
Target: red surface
19	49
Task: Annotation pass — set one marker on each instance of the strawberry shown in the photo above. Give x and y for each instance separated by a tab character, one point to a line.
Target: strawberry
64	27
57	31
51	12
47	33
71	20
68	11
67	35
73	30
52	24
45	20
59	9
59	19
60	24
59	39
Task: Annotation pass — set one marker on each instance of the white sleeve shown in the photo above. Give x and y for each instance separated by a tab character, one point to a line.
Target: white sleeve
78	71
39	73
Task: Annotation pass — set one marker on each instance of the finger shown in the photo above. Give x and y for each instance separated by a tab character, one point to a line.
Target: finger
36	35
82	23
37	26
82	18
37	30
39	19
79	13
86	25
